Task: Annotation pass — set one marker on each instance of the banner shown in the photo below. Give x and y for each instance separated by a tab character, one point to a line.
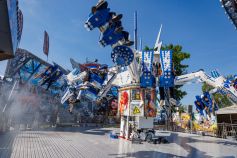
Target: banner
147	79
46	43
147	59
123	102
149	100
167	78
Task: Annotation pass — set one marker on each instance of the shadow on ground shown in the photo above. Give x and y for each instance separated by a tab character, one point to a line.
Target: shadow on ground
145	154
183	142
194	152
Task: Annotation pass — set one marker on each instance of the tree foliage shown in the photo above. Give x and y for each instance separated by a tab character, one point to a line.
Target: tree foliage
178	57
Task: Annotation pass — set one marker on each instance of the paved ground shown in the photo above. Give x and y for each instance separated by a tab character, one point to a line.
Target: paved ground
95	143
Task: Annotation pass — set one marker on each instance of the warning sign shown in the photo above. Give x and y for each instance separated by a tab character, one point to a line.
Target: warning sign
136	110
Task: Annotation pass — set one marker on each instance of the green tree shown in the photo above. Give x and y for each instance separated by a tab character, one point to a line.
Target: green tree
220	99
178	57
148	48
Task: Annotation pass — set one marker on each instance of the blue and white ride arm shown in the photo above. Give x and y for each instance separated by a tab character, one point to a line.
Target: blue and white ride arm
68	93
76	77
219	83
200	76
79	95
108	84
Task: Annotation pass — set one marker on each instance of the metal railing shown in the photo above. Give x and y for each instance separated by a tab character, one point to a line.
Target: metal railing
227	130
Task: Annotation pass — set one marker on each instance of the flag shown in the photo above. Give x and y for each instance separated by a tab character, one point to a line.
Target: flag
147	78
147	59
167	78
46	43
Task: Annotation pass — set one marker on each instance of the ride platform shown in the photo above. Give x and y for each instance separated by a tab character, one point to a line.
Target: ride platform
96	143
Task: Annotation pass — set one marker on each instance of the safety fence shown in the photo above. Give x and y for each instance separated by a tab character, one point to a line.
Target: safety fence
227	130
223	130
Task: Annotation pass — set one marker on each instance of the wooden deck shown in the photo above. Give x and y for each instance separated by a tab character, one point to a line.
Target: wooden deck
95	143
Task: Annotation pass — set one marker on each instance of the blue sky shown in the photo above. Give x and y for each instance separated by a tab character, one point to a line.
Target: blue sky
200	26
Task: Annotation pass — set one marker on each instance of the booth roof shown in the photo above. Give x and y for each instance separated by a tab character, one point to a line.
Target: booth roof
228	110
